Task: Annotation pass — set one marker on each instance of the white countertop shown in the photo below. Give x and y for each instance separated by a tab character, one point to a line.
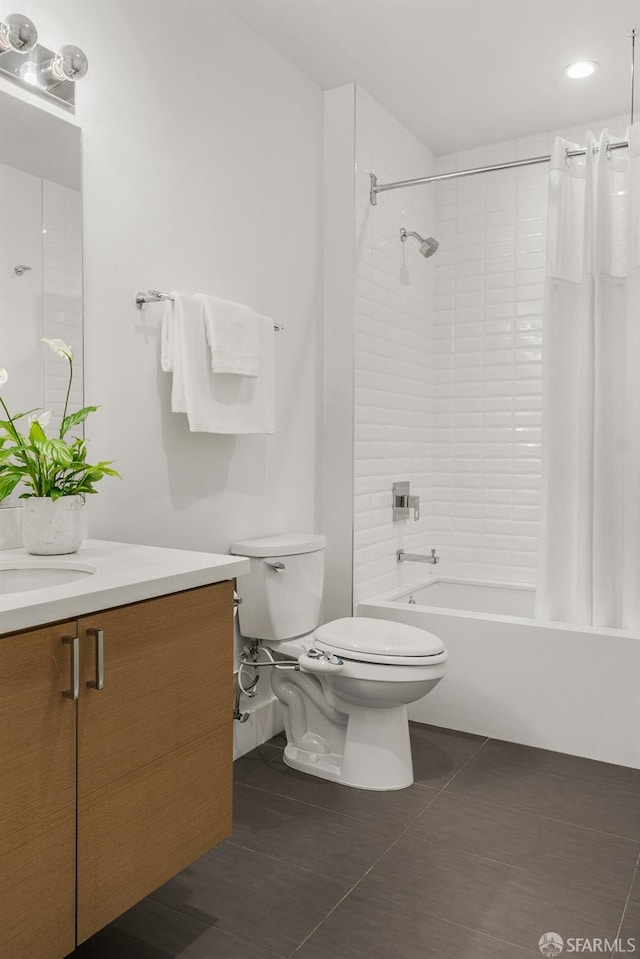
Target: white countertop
121	573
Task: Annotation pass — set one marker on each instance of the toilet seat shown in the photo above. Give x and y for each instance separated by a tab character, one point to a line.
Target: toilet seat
367	640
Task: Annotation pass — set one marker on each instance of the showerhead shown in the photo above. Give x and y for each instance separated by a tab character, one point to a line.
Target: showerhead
428	246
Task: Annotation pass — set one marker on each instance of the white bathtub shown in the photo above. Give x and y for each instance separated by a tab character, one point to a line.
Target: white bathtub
575	689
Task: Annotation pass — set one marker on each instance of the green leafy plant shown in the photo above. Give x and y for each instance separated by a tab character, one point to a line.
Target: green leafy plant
47	467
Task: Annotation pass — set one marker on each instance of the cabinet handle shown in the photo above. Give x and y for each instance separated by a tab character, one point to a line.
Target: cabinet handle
74	642
98	682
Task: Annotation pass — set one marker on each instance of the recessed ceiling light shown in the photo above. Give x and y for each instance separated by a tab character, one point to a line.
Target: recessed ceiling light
580	69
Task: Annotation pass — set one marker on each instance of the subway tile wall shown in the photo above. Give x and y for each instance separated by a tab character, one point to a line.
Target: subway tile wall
448	356
485	441
393	375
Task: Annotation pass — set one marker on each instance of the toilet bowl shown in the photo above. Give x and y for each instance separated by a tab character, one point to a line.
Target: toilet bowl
344	687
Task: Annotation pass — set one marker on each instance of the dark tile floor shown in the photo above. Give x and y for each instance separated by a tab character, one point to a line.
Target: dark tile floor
494	845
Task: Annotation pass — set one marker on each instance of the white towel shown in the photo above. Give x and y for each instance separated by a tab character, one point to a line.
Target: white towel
185	338
167	336
232	331
216	402
225	403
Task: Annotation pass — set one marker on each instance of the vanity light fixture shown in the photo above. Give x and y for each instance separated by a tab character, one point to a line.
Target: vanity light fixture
49	74
580	69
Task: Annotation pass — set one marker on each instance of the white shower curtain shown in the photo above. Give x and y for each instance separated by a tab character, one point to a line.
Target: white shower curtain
589	568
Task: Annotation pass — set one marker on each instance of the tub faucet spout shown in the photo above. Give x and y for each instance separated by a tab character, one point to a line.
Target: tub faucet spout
403	557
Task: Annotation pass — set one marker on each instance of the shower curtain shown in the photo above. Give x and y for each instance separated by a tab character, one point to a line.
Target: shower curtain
589	566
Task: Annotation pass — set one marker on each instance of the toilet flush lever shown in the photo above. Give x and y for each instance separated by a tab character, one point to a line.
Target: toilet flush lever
279	567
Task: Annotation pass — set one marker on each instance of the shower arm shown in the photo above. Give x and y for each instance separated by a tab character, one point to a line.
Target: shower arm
405	233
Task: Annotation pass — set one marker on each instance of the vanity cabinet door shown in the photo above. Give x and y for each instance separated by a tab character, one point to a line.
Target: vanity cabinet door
154	746
37	795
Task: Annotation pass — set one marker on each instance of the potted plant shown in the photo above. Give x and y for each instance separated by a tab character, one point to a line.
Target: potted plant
54	471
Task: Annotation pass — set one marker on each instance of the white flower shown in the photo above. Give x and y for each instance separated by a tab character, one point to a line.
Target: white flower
4	376
41	418
59	347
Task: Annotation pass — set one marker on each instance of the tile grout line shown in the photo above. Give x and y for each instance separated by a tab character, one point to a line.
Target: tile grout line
554	774
539	814
337	812
636	872
464	766
382	855
404	832
536	813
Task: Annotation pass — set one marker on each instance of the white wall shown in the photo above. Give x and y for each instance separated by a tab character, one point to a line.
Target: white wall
201	173
338	336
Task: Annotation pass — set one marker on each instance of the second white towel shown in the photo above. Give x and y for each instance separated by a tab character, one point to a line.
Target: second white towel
232	332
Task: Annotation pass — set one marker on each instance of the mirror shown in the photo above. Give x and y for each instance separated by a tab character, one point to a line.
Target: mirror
40	257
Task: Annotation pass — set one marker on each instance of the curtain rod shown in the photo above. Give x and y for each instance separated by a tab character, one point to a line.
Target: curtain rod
530	161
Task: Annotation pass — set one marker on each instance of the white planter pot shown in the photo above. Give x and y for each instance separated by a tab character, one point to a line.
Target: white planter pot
52	527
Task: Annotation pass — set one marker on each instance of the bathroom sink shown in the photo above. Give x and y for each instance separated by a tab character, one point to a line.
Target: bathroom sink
20	577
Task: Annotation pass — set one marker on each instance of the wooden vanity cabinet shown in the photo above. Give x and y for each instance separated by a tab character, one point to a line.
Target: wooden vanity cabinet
152	788
37	795
154	747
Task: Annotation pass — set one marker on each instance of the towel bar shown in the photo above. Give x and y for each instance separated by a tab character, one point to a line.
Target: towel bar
155	296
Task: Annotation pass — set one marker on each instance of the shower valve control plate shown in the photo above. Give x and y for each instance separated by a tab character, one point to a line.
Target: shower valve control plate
403	502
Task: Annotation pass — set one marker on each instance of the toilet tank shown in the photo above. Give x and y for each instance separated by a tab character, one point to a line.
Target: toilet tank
280	603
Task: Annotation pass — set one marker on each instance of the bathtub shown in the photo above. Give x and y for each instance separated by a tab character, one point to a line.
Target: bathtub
575	689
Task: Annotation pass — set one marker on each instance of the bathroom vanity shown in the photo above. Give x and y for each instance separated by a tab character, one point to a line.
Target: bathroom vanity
115	733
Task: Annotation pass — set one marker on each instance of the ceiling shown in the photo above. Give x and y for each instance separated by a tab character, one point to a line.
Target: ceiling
461	73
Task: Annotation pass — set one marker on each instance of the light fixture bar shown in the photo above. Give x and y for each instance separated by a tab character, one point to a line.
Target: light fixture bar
36	68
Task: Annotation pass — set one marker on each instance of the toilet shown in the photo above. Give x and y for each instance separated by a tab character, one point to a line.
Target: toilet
344	687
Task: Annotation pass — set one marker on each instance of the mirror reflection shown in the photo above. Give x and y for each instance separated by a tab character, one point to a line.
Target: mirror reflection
40	256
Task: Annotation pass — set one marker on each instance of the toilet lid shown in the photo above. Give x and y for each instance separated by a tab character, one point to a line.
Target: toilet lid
378	640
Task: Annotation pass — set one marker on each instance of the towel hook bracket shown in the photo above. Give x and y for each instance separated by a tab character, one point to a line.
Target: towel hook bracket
151	296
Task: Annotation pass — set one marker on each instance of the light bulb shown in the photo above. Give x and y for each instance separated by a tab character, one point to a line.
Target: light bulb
580	69
70	63
17	33
30	73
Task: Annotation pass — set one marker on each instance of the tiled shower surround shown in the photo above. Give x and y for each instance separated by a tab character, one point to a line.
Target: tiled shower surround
448	356
484	444
393	368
